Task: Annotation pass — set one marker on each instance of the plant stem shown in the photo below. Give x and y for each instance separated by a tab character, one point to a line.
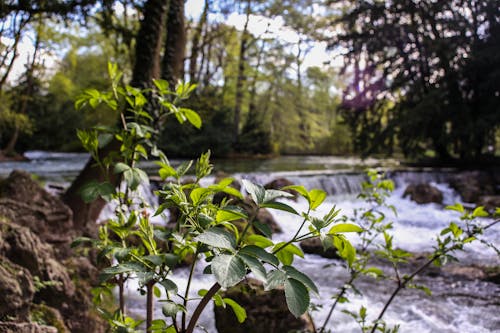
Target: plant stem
149	305
121	294
201	306
186	294
339	296
294	236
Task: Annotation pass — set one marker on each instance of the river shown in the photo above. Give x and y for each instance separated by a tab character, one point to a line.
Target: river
456	305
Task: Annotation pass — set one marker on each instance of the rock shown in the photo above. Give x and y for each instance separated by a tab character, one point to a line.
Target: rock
473	184
16	290
266	311
11	327
464	272
42	313
492	274
278	184
24	248
489	202
314	246
23	201
423	193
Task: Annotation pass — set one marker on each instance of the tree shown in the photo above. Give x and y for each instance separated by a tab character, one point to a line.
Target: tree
147	67
411	58
175	44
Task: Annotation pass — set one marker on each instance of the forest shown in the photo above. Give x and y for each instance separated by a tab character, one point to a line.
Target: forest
363	145
412	79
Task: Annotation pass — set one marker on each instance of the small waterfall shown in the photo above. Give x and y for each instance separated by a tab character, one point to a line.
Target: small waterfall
404	177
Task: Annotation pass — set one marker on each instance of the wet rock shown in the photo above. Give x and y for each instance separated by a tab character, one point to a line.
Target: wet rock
473	184
314	246
16	290
266	311
23	201
12	327
464	272
423	193
489	202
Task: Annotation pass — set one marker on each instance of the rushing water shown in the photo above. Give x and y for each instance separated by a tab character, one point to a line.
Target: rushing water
455	306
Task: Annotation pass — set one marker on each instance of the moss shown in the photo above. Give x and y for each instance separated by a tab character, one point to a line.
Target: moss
45	315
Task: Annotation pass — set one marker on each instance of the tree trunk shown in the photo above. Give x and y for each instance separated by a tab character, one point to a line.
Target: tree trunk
148	43
241	78
175	45
146	68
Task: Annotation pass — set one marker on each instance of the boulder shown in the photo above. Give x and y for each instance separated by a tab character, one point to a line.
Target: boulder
423	193
489	202
41	313
314	246
473	184
23	201
266	311
12	327
16	290
24	248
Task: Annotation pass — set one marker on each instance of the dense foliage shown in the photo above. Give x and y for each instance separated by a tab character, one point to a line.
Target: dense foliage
424	75
419	77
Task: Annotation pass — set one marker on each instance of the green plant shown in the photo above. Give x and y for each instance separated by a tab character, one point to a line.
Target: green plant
133	247
375	227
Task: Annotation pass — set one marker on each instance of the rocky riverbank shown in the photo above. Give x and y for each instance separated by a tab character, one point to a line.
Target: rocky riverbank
45	285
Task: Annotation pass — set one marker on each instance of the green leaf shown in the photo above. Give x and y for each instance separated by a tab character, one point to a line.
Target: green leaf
162	85
271	194
170	309
260	241
292	272
457	207
344	227
279	206
254	265
286	253
228	269
167	171
238	310
192	117
263	228
260	253
183	168
229	215
300	190
156	291
345	248
297	297
373	272
275	279
93	190
198	194
316	198
257	192
217	237
480	212
170	287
